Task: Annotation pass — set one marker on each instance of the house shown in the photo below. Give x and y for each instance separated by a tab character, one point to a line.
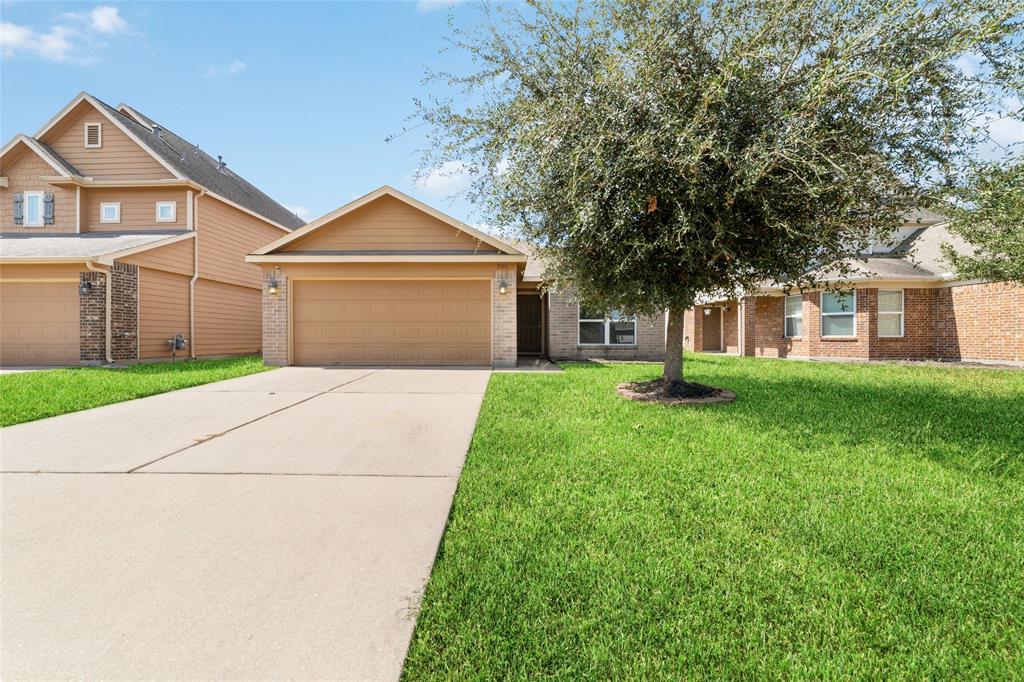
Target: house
116	235
902	302
388	280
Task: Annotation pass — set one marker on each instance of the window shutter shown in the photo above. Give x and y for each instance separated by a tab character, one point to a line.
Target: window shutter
19	203
48	208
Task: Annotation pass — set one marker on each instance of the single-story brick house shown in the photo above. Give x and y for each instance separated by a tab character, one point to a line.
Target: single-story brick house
904	303
388	280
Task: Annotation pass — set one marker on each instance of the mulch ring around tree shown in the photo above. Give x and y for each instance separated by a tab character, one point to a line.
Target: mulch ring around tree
675	393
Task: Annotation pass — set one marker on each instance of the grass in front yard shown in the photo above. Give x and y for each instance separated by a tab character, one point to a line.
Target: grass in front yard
29	396
843	521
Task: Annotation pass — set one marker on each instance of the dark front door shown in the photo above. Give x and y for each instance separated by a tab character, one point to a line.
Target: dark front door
528	324
712	336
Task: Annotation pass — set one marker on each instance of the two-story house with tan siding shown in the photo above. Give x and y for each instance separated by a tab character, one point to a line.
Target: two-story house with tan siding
117	235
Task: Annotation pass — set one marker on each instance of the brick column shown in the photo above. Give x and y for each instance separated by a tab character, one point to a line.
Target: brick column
275	319
92	318
748	311
503	319
124	312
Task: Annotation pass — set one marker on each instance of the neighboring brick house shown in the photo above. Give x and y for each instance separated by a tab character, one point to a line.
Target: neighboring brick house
116	235
388	280
903	303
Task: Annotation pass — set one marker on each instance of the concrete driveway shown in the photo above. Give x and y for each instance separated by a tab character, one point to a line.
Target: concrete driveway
280	525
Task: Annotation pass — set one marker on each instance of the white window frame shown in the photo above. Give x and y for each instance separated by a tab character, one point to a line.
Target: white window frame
24	209
607	320
174	211
103	207
852	311
901	313
786	316
99	134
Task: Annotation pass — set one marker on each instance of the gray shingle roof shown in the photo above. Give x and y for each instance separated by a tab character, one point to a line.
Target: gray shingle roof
57	158
85	246
196	165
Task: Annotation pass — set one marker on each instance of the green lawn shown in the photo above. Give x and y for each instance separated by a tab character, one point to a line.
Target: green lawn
28	396
838	521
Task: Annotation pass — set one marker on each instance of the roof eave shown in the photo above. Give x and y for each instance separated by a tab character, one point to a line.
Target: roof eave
404	258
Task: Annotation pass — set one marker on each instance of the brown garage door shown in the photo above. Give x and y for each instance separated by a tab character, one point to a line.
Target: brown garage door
391	322
39	323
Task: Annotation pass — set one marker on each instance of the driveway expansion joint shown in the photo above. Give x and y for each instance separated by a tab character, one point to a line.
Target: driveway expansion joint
210	437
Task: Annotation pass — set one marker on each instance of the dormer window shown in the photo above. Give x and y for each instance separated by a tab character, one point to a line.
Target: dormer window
93	135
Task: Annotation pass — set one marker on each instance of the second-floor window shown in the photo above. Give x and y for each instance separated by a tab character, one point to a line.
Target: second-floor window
110	212
166	211
33	209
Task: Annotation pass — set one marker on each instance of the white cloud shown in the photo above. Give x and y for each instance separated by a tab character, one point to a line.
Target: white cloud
451	177
301	211
431	5
236	67
106	19
75	38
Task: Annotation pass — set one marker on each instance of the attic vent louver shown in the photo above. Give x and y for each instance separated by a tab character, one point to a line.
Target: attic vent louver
93	135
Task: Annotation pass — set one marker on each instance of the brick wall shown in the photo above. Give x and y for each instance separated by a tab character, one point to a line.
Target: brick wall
980	322
124	312
965	322
92	315
563	334
275	319
504	337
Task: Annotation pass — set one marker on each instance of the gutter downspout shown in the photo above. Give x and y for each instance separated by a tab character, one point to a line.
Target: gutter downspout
192	282
109	298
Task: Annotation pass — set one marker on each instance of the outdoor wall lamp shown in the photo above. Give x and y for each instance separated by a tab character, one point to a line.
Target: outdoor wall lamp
502	287
272	285
84	288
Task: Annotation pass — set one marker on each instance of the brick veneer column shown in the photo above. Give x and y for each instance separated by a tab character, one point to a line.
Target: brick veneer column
92	318
748	310
275	319
124	312
504	340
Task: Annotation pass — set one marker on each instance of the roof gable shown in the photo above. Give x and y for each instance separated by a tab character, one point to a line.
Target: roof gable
54	160
388	221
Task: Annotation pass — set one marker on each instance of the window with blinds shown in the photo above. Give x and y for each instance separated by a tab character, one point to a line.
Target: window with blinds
890	313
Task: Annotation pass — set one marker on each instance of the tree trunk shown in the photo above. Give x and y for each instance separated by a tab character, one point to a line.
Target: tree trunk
674	345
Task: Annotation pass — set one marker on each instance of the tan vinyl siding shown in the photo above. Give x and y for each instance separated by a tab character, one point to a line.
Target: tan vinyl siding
226	235
163	311
227	319
387	270
120	157
177	257
66	271
138	208
22	167
390	225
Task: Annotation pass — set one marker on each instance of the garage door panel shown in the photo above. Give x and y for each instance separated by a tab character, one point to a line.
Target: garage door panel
39	323
385	322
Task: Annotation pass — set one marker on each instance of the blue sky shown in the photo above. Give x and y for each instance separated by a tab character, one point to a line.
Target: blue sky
298	97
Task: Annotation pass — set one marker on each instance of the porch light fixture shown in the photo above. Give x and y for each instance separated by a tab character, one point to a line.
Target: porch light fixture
502	287
272	285
84	288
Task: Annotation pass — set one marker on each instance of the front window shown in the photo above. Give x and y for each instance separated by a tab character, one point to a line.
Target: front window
839	313
110	212
794	316
612	329
165	211
890	313
33	209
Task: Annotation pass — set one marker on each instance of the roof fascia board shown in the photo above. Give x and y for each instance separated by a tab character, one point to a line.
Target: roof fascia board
306	258
109	258
40	152
120	126
373	196
90	182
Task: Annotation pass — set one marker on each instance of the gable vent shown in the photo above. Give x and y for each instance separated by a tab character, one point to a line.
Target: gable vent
93	134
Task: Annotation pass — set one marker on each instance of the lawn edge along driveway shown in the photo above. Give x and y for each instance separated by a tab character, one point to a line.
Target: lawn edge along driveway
28	396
